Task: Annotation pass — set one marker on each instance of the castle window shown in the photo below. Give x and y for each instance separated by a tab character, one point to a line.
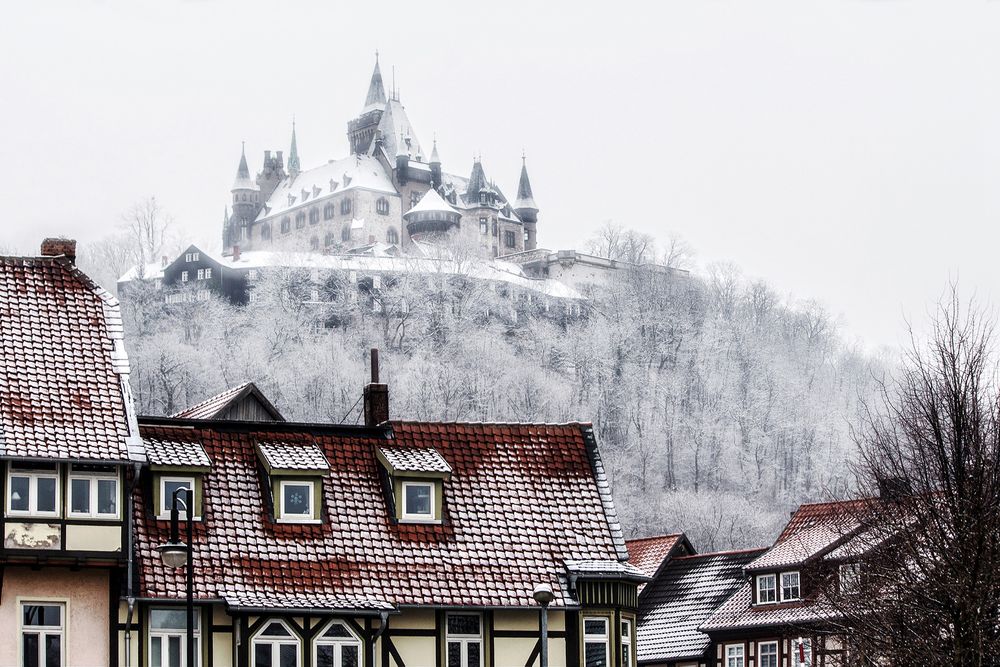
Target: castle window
286	225
382	206
265	231
329	239
418	501
168	636
275	646
766	589
338	647
496	228
392	236
184	276
345	206
596	642
484	226
236	198
313	216
526	236
314	243
482	197
414	198
328	212
244	196
509	239
42	628
300	220
465	640
32	489
345	233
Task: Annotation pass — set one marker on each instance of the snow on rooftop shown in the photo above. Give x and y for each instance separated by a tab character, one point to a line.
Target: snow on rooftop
431	202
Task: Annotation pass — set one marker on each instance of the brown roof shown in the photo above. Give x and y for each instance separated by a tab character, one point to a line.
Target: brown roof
63	368
522	501
648	553
285	455
176	453
215	406
415	459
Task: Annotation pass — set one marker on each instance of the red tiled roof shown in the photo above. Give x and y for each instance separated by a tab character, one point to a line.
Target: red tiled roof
415	459
648	553
176	453
521	502
214	406
63	368
292	455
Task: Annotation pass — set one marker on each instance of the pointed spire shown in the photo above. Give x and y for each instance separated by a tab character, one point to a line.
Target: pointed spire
525	200
477	180
243	181
293	154
376	91
435	158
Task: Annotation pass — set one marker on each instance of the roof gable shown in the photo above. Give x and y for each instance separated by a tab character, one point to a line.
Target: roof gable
244	399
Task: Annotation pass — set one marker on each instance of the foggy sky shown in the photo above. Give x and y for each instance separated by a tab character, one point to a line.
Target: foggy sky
843	150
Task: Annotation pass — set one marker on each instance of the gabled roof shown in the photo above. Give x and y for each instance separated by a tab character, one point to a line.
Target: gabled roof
650	554
294	455
431	202
414	459
216	406
685	593
395	122
176	453
64	391
522	502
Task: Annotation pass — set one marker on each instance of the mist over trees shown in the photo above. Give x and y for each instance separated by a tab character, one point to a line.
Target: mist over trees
718	404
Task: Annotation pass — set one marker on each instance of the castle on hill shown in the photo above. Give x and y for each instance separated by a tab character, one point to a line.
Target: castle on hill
388	190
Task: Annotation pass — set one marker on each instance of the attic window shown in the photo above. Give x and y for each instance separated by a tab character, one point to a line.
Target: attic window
333	185
167	487
418	501
291	199
766	589
295	471
790	586
417	476
297	500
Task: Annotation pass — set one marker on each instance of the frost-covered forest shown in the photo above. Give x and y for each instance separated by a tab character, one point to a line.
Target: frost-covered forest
719	405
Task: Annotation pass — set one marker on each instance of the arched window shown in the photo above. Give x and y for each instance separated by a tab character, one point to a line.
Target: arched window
313	216
337	647
275	646
329	240
345	233
300	220
382	206
265	231
286	225
244	196
345	206
392	236
314	243
328	211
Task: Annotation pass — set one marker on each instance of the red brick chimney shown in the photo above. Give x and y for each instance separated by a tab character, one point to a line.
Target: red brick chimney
376	397
54	247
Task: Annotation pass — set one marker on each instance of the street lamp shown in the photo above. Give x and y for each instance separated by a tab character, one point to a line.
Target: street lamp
175	554
543	595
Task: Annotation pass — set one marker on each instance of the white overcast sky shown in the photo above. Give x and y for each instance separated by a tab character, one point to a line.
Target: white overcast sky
843	150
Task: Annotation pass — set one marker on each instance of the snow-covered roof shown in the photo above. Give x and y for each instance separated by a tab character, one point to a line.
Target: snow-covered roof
393	122
431	202
151	271
318	183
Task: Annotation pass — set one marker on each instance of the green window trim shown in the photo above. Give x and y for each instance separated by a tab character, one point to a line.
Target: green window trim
277	500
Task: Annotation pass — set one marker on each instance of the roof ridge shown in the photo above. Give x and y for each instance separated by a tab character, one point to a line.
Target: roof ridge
728	552
488	423
654	537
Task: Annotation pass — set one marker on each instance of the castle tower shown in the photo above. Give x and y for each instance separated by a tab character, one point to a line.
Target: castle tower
402	159
435	164
526	208
294	167
361	130
271	175
245	205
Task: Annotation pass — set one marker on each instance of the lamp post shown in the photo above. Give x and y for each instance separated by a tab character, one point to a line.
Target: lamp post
543	595
177	554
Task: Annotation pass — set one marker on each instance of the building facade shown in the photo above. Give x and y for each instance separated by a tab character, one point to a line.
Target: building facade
364	197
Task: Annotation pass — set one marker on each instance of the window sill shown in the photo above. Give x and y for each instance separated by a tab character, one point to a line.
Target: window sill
299	521
88	517
27	515
420	519
166	517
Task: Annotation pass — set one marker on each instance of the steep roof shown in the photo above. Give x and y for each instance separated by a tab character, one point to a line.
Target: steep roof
432	202
650	553
375	99
524	196
243	180
685	593
64	391
523	500
395	122
216	406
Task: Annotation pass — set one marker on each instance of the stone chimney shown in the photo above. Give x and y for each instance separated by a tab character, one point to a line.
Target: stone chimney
376	397
55	247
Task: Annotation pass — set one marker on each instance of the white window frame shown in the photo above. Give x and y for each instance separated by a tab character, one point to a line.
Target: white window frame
166	500
33	477
201	274
260	638
337	643
284	516
774	588
729	657
627	653
410	516
195	256
603	638
165	633
62	631
798	585
188	257
184	276
464	640
760	653
94	479
208	273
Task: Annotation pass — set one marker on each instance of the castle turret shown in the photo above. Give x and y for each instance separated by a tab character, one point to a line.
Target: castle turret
245	204
293	156
402	159
271	175
431	215
361	130
435	164
526	208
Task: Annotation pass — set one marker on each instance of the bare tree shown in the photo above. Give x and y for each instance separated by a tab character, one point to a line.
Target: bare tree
928	587
149	227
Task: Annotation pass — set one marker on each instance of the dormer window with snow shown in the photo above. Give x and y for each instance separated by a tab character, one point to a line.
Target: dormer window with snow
176	465
295	472
416	478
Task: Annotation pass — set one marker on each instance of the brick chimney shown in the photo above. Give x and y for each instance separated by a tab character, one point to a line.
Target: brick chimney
54	247
376	397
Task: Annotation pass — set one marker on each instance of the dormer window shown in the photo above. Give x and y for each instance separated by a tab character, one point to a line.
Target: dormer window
767	588
297	500
418	501
168	485
295	471
790	586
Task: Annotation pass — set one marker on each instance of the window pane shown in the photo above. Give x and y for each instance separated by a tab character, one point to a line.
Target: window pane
276	630
287	655
350	656
324	656
107	496
463	624
337	630
297	498
170	619
595	626
596	655
472	650
262	655
174	651
53	651
79	495
19	493
155	647
454	654
42	614
418	499
168	494
30	649
46	494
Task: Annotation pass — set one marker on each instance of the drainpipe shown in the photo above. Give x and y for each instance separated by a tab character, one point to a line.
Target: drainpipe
130	563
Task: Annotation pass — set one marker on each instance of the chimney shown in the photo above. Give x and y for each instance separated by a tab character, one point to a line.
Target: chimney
236	253
376	397
61	246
